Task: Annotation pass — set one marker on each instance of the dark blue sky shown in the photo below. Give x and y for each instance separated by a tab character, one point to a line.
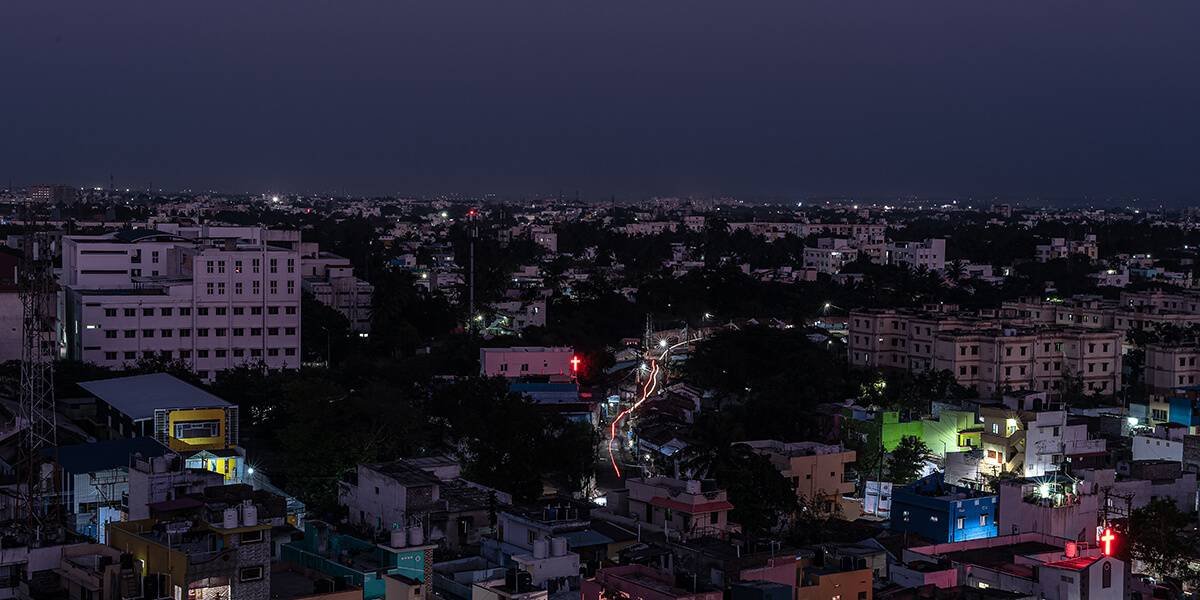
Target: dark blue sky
629	98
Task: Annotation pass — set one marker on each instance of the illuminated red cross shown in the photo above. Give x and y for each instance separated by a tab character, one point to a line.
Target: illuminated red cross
575	363
1108	538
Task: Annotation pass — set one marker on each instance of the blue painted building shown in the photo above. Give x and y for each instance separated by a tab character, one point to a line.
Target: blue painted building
1182	410
547	393
941	513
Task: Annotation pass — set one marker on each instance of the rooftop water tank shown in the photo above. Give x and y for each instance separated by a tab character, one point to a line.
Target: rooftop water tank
249	514
399	538
230	518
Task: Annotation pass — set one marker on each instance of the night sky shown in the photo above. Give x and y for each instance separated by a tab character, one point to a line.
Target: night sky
760	98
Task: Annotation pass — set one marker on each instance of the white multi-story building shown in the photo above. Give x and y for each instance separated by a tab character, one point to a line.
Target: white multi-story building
331	281
1062	248
864	232
769	230
988	354
929	254
830	255
995	360
212	303
1170	366
1135	311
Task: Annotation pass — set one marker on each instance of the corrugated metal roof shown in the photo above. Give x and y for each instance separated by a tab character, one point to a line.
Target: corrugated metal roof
138	395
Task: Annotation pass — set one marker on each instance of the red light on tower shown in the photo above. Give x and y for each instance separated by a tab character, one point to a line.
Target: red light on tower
575	362
1108	538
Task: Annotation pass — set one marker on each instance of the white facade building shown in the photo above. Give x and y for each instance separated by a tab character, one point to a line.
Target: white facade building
930	254
213	304
830	255
330	279
1062	248
1157	448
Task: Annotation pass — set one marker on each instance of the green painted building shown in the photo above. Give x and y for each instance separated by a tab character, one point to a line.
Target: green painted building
940	435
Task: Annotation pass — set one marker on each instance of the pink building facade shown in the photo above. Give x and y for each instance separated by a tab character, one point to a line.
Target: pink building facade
526	361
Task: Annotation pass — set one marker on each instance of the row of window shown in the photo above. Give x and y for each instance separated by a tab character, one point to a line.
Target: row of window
218	266
200	332
203	311
187	354
217	288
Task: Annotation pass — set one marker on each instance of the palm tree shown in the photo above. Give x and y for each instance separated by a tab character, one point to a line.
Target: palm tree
956	270
710	445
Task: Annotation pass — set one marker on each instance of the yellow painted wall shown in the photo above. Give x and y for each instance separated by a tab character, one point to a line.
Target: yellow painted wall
970	439
225	466
155	557
201	414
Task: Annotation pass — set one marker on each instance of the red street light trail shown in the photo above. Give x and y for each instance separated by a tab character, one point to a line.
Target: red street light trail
647	390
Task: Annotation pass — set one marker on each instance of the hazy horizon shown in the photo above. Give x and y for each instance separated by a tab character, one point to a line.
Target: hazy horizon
1091	101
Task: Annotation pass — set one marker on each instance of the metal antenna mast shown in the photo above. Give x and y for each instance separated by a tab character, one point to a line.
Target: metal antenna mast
471	216
37	381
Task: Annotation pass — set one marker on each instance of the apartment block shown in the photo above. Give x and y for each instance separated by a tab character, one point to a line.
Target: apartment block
903	339
992	355
331	281
213	550
867	232
1170	366
1062	248
816	471
691	507
830	255
213	304
423	492
929	254
994	361
1133	312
